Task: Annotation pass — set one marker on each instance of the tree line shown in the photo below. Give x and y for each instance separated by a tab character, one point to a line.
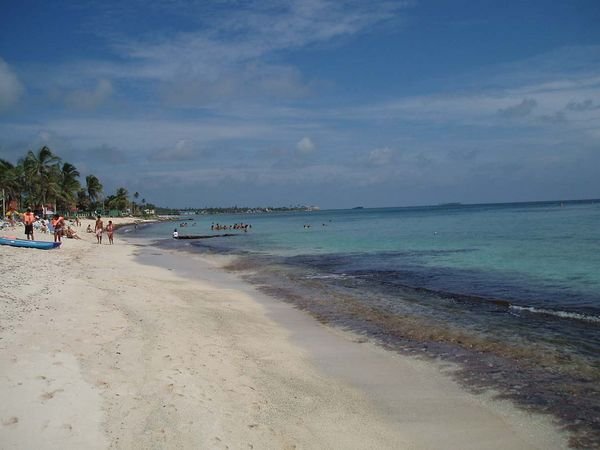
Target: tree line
42	178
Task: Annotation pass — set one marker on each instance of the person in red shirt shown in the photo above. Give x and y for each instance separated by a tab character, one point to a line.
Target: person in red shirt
28	219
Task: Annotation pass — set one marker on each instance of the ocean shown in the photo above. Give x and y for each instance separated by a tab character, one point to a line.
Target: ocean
509	292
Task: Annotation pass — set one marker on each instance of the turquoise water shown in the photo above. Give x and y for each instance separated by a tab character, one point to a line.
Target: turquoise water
511	292
491	248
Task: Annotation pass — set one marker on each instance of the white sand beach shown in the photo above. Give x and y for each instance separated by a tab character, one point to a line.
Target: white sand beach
101	351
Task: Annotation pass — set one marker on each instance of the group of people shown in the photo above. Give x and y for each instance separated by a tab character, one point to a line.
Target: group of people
57	222
236	226
59	227
99	230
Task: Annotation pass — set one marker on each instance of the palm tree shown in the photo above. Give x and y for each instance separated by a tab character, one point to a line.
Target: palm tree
83	200
41	178
41	171
53	186
109	202
93	188
10	180
119	200
134	204
11	183
69	184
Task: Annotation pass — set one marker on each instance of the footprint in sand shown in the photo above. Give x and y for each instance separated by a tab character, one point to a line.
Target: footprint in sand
11	421
50	395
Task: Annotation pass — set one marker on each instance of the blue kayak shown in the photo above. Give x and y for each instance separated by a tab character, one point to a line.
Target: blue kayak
42	245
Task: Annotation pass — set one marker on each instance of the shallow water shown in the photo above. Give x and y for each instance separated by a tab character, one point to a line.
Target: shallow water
510	291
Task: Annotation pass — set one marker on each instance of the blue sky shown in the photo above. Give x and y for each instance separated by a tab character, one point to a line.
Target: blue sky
332	103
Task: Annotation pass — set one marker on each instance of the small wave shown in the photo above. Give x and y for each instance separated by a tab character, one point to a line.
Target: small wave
328	277
561	314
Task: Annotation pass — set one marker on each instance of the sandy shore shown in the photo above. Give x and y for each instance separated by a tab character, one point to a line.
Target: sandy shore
99	350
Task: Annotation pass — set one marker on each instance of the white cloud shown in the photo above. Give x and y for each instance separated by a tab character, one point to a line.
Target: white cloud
250	82
103	154
184	150
228	57
256	30
11	87
314	175
90	99
305	146
533	103
227	54
139	135
380	156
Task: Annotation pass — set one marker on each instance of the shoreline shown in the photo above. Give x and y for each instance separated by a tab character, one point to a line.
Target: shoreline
157	357
518	370
366	364
533	376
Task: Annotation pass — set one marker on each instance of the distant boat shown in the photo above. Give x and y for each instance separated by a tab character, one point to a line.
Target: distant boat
359	207
41	245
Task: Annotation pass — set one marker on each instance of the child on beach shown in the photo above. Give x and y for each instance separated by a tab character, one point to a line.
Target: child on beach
44	226
109	230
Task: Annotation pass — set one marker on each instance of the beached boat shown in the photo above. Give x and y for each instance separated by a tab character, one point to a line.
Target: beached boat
42	245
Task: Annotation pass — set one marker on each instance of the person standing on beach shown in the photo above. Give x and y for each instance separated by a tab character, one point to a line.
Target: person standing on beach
28	219
58	222
44	225
110	230
99	228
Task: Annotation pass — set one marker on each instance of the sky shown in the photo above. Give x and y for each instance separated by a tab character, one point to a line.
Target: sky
337	103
